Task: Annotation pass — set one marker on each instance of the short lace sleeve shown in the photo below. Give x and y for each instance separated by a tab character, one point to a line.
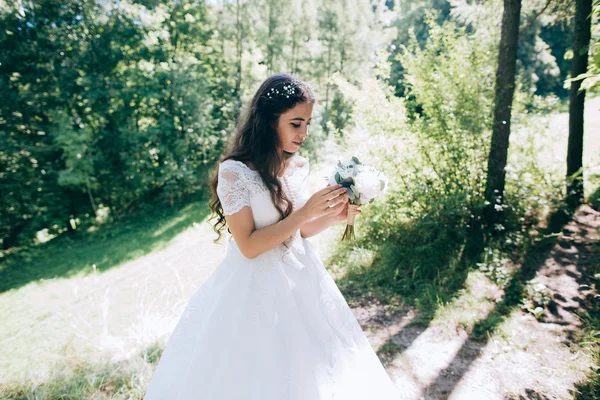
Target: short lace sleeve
231	188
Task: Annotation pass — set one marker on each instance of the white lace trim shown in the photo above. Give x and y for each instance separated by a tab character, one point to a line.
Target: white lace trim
237	184
232	188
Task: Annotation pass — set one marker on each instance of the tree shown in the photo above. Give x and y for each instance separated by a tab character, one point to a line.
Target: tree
504	91
581	40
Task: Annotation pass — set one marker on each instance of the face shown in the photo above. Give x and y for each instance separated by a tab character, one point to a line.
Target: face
293	126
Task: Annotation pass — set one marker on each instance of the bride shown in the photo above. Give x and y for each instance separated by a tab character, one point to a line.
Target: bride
270	322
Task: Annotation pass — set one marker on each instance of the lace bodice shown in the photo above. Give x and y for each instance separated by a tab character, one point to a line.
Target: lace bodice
239	186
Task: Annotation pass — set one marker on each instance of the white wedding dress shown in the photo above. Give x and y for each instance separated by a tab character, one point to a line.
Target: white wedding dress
275	327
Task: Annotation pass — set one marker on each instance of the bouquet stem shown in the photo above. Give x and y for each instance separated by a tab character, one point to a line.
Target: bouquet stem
349	231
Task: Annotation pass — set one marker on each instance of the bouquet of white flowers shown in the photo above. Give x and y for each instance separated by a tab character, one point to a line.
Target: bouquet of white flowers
363	184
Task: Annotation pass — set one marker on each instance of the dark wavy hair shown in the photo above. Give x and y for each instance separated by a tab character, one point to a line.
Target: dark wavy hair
256	140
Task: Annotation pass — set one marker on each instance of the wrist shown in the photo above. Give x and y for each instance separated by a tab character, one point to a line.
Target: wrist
337	218
302	216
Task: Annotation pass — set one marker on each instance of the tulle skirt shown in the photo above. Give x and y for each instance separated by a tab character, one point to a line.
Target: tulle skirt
275	327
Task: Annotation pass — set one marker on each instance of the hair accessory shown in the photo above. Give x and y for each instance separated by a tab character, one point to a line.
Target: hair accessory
287	90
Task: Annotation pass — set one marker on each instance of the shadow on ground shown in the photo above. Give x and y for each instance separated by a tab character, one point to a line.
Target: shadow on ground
106	248
529	395
534	260
404	285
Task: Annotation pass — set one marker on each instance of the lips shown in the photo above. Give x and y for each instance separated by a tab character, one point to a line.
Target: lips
298	143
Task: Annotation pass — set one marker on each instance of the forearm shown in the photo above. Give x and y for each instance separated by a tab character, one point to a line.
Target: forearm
316	226
264	239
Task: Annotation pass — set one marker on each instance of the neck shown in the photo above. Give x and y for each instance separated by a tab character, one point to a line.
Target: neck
286	156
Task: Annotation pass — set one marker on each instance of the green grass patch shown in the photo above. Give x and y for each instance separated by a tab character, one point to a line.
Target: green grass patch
101	248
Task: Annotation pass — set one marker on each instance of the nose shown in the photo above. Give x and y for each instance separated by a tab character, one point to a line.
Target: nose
305	132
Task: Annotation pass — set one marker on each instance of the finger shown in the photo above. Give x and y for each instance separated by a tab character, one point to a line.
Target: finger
336	208
343	200
337	195
328	204
332	190
338	200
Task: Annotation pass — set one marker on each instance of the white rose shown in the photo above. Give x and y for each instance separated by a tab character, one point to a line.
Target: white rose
346	172
386	181
367	183
332	180
348	164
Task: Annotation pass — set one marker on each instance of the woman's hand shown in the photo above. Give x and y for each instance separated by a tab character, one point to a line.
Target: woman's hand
317	205
343	214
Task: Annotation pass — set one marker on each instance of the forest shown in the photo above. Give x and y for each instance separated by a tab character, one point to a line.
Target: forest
485	116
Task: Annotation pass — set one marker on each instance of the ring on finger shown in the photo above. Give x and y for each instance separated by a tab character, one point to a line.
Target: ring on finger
329	203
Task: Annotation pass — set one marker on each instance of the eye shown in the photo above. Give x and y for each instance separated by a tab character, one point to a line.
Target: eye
296	125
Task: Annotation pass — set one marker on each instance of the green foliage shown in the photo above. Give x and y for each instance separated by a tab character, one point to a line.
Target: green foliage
410	22
117	106
451	80
434	147
494	266
589	340
536	297
340	115
126	379
417	231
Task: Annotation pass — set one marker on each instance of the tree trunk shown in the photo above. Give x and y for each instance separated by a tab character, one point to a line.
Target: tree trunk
581	41
505	88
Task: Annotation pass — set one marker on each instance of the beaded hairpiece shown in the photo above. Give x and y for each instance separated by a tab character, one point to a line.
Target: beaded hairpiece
287	90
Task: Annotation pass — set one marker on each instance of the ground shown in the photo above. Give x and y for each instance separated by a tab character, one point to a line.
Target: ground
526	358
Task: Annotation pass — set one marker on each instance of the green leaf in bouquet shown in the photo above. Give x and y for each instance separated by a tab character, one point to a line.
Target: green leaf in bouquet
351	193
355	159
381	185
338	178
347	181
357	198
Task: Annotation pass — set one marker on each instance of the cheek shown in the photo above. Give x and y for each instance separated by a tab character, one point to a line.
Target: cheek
287	134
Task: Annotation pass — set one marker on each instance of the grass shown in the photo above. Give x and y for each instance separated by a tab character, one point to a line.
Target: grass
103	249
62	317
589	338
97	379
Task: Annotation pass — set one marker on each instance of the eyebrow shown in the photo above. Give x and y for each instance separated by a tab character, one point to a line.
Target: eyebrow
299	119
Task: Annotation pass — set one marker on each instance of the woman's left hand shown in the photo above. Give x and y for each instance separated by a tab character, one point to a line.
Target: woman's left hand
343	214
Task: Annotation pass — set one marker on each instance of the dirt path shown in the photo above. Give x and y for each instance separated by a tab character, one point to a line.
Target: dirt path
524	357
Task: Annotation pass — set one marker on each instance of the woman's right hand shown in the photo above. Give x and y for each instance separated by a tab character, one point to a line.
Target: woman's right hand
316	206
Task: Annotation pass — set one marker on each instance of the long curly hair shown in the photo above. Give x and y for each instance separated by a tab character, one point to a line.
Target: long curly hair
256	141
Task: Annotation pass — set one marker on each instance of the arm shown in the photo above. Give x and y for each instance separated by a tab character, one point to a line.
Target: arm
317	225
253	242
235	200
